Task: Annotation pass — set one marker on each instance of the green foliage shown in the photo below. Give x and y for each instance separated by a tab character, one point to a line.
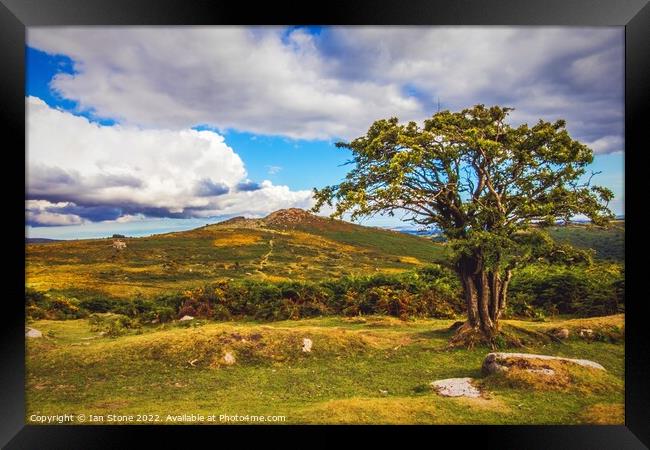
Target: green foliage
539	290
430	292
469	171
112	325
40	305
582	290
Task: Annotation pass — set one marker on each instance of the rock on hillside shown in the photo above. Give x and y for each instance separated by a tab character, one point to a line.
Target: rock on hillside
299	218
239	221
500	362
290	216
456	387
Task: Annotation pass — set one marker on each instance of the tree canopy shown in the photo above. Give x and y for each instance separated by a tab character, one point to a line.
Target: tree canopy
469	171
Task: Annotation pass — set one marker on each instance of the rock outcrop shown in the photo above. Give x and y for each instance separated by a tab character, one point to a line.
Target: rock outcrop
500	362
456	387
33	333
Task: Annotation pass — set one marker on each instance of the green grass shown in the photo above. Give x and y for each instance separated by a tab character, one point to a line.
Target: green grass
73	371
361	370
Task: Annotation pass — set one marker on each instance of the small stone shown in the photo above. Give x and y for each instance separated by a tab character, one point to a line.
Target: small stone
562	333
306	345
185	318
456	387
586	332
229	359
119	245
33	333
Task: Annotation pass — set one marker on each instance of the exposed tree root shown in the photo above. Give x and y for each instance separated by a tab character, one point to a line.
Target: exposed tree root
469	337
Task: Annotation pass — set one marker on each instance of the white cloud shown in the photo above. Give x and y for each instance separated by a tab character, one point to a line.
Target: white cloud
78	170
230	77
607	144
44	213
333	85
273	170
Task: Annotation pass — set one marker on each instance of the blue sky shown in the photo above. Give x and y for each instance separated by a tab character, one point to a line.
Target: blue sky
146	130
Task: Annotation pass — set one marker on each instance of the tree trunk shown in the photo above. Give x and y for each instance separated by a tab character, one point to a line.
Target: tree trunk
485	293
466	272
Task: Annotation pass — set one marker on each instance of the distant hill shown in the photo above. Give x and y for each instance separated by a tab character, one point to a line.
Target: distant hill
608	243
39	240
289	244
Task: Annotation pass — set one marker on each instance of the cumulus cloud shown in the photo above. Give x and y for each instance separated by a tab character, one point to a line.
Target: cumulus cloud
333	84
543	72
44	213
79	171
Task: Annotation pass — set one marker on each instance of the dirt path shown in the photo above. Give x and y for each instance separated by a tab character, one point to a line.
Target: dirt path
265	258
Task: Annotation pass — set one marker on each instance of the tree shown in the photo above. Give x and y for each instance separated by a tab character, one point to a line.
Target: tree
489	187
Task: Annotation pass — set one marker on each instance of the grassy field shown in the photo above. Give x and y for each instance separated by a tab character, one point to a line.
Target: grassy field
312	249
309	248
371	369
360	370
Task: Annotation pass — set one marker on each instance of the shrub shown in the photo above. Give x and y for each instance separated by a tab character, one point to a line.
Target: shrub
430	291
165	314
98	304
581	290
112	325
64	308
35	312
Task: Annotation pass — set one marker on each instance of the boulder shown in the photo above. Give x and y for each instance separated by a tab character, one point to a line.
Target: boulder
306	345
562	333
586	332
500	362
456	387
185	318
33	333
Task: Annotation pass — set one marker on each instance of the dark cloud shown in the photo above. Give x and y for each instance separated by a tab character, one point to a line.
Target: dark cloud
248	186
208	188
93	213
65	213
43	178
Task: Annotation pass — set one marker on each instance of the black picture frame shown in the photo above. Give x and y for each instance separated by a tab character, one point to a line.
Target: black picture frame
16	15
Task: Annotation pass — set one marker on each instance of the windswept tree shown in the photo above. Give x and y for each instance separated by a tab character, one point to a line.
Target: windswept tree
489	187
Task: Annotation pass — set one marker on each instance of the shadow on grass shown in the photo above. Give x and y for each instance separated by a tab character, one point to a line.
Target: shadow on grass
440	333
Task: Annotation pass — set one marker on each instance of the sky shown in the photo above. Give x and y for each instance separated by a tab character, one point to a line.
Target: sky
142	130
